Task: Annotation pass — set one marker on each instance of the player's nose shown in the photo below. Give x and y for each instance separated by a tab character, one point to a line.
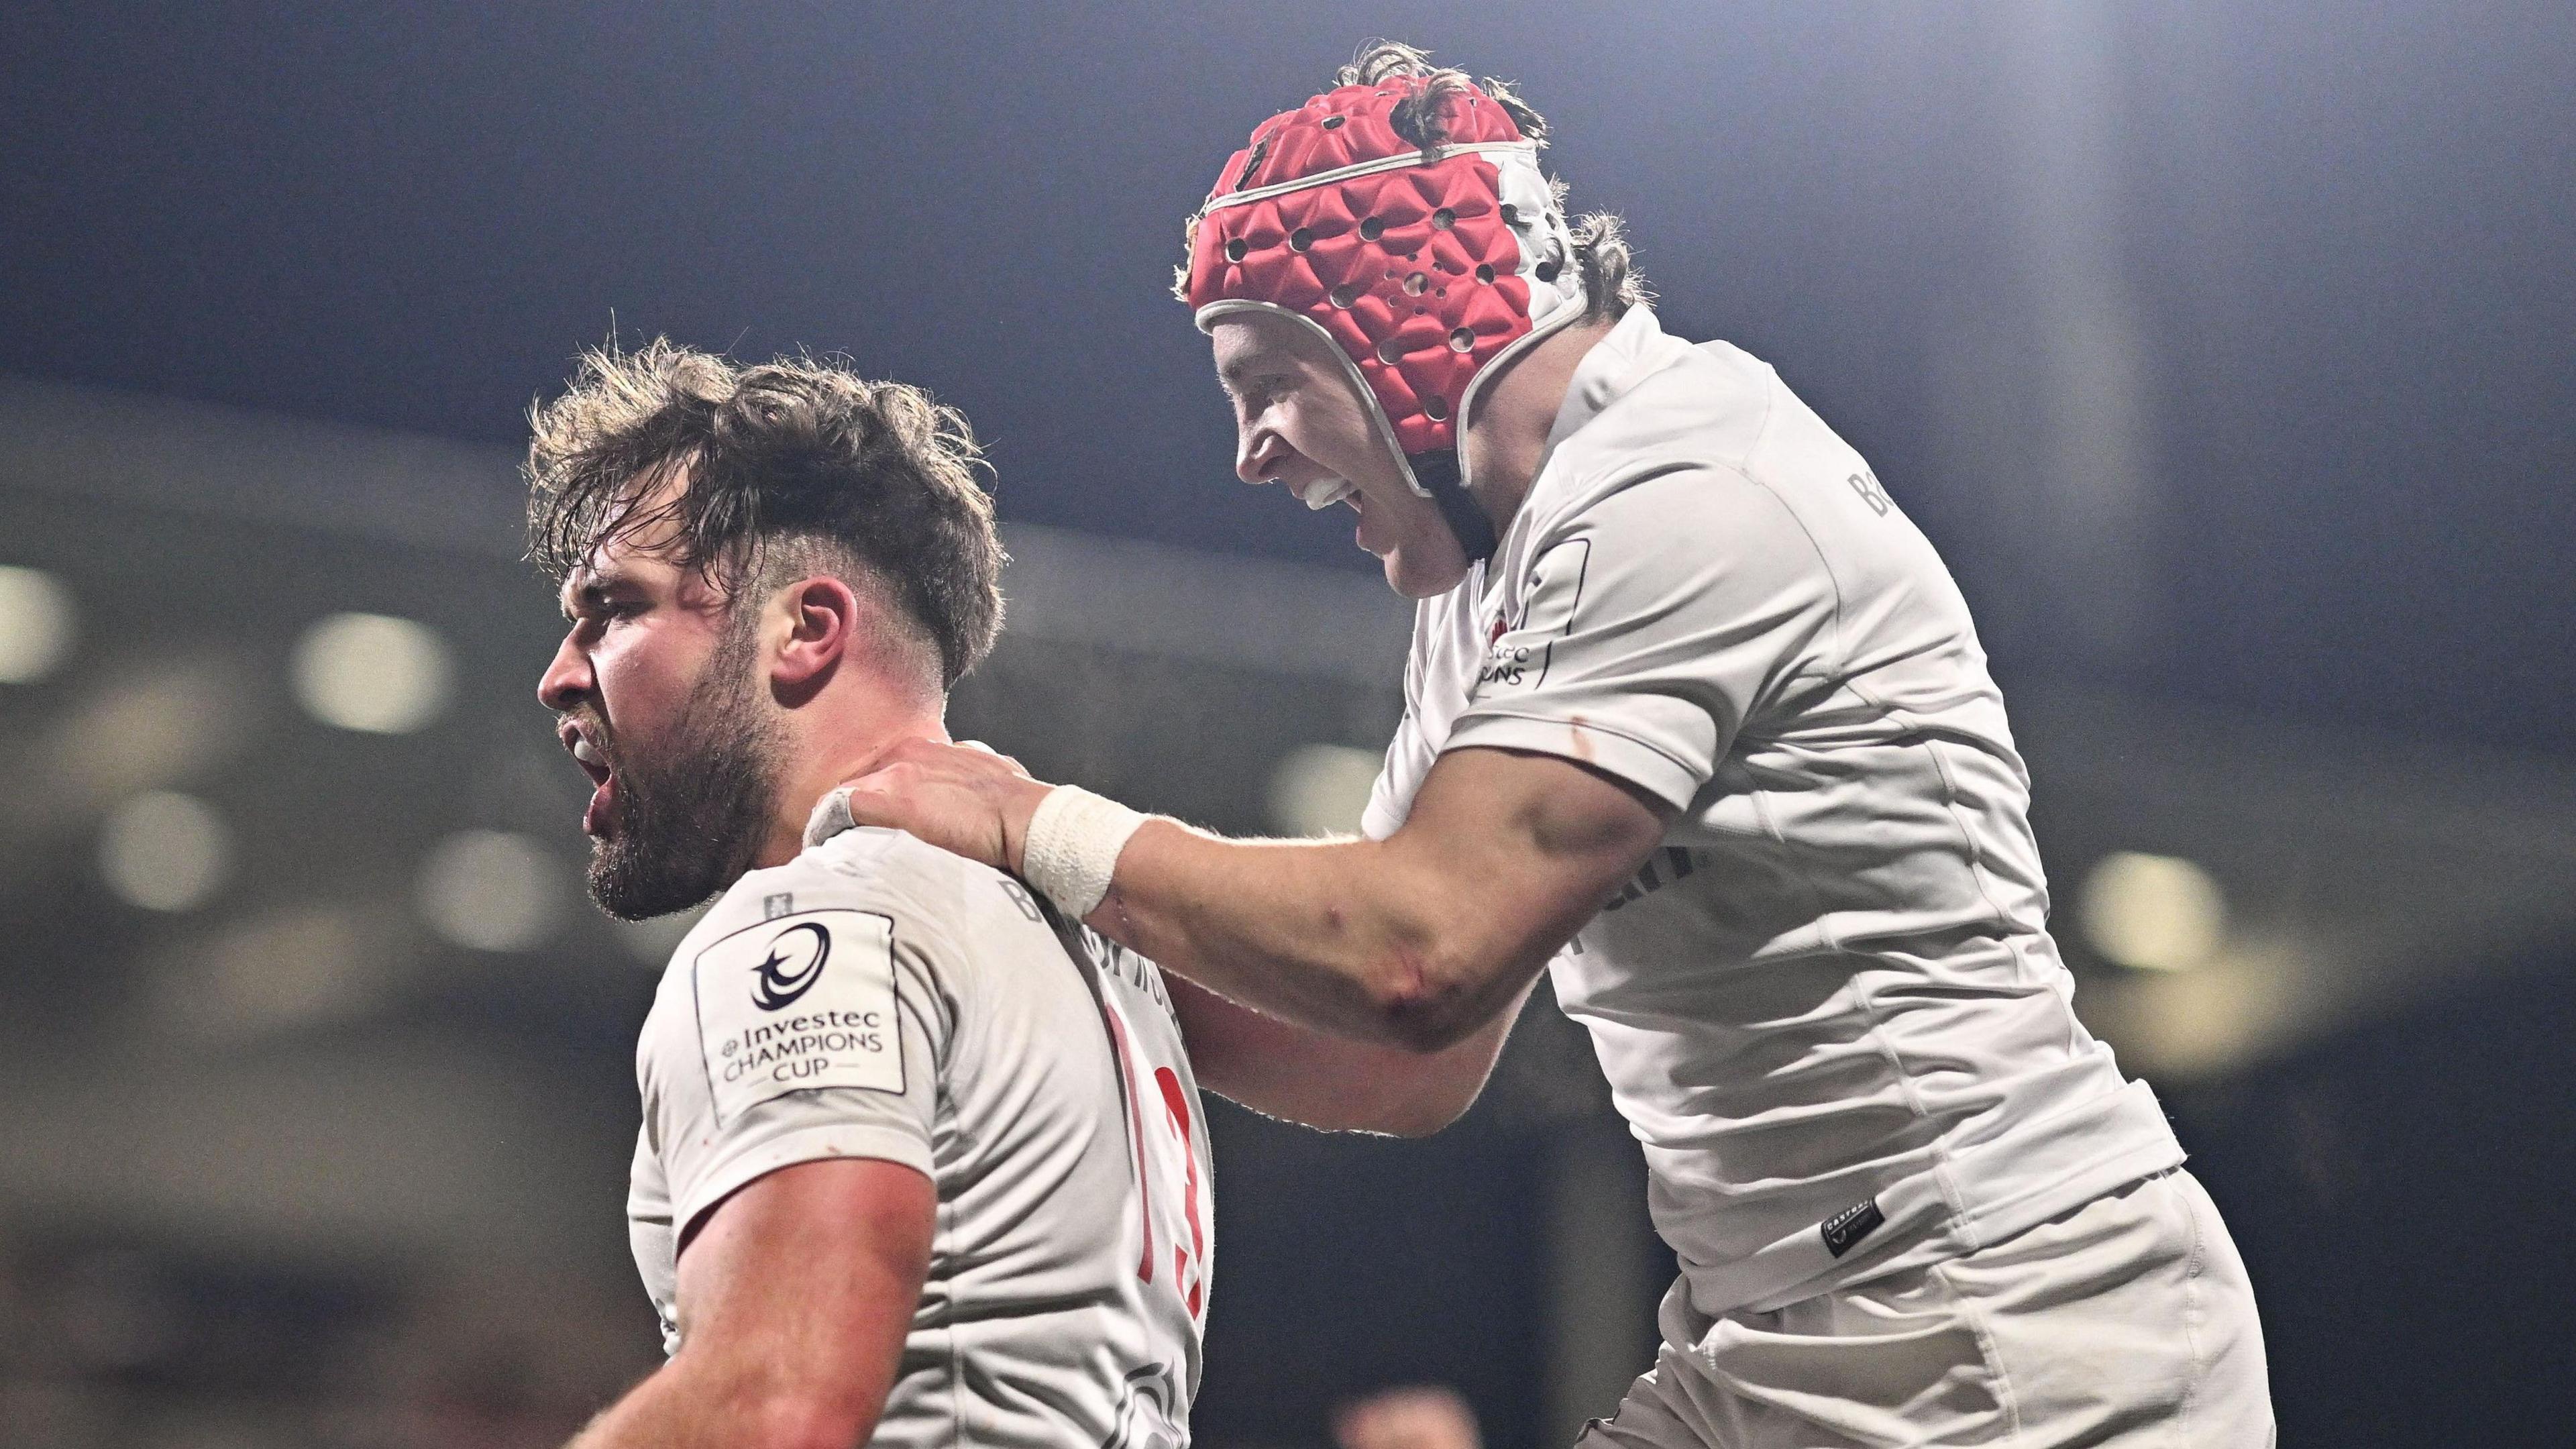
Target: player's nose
566	680
1259	454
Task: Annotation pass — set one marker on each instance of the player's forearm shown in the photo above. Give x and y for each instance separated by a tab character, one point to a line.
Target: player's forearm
1328	1082
667	1409
690	1404
1349	937
1417	940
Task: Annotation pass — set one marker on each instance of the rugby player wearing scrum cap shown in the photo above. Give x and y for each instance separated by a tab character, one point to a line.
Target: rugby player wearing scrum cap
1697	722
920	1163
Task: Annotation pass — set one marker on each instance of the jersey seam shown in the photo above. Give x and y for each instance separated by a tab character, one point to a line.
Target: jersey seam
1941	1167
948	1340
2191	1306
1950	807
1841	651
1815	547
1474	712
681	1221
1986	1346
1977	862
1941	1163
1584	485
938	1066
1770	409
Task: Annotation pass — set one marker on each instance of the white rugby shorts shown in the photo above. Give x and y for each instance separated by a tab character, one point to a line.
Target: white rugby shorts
2124	1324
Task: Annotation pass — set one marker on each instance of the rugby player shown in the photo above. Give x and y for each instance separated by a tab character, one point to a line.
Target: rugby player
1697	723
921	1162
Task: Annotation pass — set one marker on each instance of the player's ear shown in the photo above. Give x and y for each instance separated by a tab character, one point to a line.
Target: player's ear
821	614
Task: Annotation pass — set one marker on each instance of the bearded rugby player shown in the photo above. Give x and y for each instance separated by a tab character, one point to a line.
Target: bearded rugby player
921	1163
1697	723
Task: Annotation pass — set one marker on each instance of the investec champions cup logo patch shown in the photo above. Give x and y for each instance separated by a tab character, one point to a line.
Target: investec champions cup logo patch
1519	648
793	965
798	1003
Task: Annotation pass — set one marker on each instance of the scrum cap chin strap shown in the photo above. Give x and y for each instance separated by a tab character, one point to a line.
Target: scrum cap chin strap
1437	475
1424	266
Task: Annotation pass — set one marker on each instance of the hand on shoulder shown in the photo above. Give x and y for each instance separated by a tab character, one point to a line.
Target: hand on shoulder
962	798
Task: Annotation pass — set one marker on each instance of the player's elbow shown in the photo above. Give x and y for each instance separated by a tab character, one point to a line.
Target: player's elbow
1410	1116
1425	1115
1412	1094
1428	1001
1427	1027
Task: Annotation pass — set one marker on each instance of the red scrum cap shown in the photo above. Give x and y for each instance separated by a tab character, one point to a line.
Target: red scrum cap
1424	266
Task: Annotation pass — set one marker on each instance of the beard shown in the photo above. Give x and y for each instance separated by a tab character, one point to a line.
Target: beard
689	814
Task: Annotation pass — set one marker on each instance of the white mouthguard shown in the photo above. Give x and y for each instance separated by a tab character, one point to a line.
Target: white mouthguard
1324	495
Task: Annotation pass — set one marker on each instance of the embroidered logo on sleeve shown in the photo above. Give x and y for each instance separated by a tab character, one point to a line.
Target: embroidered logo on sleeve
1518	651
796	1003
1850	1226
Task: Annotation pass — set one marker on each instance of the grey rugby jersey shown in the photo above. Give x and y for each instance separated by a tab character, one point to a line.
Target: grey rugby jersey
878	998
1829	1006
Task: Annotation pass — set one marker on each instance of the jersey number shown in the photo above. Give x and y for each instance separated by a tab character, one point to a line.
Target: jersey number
1176	1121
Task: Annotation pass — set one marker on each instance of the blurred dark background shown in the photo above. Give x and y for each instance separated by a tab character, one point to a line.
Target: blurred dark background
2226	351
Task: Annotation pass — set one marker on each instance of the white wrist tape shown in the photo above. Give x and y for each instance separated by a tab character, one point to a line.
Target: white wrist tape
831	816
1073	845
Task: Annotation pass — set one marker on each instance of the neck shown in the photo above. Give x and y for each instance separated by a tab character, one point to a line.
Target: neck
1507	438
838	748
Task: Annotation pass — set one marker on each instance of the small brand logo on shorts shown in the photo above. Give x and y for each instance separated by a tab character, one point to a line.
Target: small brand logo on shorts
772	907
1850	1226
790	971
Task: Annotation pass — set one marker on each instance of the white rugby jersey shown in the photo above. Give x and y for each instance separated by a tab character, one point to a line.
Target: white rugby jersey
878	998
1828	1006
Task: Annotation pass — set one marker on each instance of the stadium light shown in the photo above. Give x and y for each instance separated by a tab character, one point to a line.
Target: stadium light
35	624
490	890
372	672
294	967
165	851
2153	912
1321	789
653	941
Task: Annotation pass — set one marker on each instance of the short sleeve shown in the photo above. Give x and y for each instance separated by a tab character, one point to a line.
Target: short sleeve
1408	759
1649	626
811	1034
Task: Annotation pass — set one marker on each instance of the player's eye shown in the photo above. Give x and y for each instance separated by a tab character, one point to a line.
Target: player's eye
593	615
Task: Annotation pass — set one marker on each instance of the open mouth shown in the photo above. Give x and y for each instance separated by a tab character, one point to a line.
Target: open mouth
587	753
1325	493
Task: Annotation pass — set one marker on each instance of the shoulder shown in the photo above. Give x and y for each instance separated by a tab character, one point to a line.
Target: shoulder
1709	406
877	906
938	909
1696	549
868	868
1668	460
1710	458
1435	619
1672	509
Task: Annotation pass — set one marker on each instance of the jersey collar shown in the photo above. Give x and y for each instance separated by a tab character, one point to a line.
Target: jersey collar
1637	346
